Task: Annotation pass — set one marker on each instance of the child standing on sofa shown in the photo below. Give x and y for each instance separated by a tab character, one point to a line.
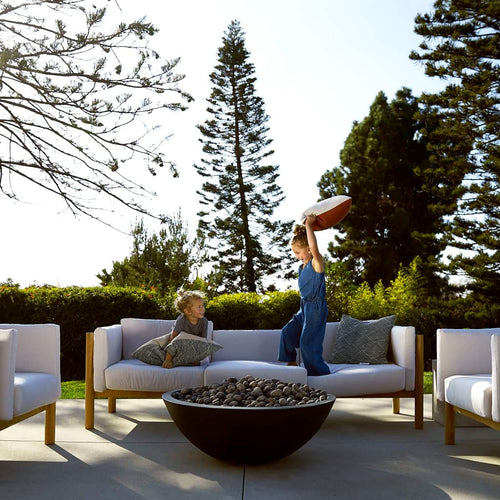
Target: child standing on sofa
307	327
192	319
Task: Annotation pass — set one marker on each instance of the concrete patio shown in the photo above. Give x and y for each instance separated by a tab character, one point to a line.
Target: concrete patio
362	451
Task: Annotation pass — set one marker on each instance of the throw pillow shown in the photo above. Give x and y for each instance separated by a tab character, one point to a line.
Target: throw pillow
362	341
153	351
187	349
328	212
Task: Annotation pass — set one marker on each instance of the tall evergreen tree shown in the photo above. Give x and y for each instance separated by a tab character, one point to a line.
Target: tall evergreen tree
241	191
462	45
394	218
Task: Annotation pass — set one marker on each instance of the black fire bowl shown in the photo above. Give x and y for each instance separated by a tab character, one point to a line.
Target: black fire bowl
248	435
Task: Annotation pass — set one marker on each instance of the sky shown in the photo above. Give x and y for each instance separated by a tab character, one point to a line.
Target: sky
319	65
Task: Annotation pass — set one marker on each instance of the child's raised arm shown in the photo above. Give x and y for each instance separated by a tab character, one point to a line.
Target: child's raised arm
318	262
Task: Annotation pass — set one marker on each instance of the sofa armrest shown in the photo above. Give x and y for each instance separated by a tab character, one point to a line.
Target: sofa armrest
403	351
495	377
462	352
107	351
8	346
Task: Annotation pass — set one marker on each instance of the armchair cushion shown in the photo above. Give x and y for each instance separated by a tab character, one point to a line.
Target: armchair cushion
32	390
470	392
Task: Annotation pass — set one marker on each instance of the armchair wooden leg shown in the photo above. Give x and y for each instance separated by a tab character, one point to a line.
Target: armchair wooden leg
111	405
449	424
89	382
396	405
419	382
50	424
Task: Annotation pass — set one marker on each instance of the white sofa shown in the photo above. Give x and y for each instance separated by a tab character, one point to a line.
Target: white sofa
30	380
468	376
111	373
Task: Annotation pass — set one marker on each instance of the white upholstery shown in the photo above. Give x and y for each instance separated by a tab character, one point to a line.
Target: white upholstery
136	332
8	346
32	390
134	375
462	352
217	371
360	380
29	372
470	392
468	370
257	345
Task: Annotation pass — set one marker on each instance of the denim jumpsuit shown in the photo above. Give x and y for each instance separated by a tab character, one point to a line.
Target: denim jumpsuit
306	329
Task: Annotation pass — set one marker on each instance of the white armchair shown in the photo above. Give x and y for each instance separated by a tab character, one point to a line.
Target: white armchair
30	380
468	376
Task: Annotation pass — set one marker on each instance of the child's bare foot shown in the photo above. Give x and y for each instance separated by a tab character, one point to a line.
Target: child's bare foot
292	363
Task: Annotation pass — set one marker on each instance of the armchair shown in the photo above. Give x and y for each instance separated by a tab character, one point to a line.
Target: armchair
468	376
30	380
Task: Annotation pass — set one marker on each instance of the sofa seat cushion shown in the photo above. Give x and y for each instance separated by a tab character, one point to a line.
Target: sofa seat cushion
33	390
217	371
470	392
134	375
359	380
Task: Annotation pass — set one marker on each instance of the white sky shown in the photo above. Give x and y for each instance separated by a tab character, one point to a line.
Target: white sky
319	65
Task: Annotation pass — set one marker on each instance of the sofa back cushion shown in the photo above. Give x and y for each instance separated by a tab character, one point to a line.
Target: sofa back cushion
136	331
329	340
254	345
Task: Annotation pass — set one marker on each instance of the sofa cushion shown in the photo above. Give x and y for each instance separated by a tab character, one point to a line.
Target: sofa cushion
218	371
255	345
358	380
134	375
362	341
137	331
187	349
470	392
32	390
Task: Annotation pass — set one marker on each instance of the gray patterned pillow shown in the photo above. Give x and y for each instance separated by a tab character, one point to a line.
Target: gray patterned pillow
187	349
153	351
362	341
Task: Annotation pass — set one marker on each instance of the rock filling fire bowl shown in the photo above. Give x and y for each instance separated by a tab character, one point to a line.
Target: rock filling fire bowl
249	435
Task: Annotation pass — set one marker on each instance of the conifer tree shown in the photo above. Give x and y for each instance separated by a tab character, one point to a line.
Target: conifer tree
395	216
462	46
240	192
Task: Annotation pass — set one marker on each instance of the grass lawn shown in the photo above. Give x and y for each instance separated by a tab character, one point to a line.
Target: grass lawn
75	389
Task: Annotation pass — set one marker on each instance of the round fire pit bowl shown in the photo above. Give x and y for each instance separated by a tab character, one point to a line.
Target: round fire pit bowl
248	435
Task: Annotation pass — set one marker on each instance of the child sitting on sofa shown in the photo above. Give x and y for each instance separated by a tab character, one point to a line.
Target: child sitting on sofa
192	319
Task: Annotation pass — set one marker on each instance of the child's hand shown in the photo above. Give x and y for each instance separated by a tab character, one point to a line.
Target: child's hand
310	219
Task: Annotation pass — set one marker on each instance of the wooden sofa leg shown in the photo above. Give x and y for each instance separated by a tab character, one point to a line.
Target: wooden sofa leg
89	381
50	424
111	405
395	405
449	424
419	382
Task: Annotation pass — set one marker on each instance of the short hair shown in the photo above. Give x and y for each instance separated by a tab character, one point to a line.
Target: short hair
299	236
186	297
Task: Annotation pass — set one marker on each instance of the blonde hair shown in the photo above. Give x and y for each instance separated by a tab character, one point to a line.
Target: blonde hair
299	236
185	298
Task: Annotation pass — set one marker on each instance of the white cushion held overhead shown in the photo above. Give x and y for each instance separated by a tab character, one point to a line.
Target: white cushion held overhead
328	212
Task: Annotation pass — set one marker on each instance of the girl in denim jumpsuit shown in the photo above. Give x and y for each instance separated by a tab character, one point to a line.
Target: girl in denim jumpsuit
306	329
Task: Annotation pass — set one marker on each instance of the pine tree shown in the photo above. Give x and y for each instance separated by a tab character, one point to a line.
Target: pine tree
395	216
240	191
163	261
462	46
